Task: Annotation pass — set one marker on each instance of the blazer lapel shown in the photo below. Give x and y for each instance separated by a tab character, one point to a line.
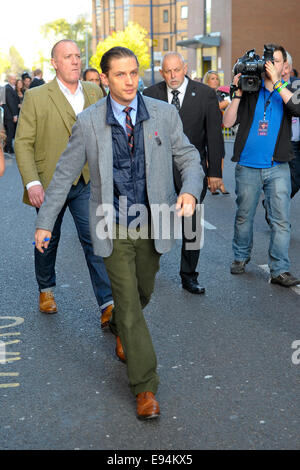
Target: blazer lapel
90	96
62	105
105	150
189	97
163	92
151	132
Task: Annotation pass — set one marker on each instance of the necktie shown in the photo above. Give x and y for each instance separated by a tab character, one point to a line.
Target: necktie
129	128
175	99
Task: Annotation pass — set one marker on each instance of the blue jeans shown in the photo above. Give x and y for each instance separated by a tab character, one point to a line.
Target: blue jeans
78	203
276	184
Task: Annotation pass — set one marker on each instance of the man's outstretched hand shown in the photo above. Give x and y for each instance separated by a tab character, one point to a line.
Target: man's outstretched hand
186	204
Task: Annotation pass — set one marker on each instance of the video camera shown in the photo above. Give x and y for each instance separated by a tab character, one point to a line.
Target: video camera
251	66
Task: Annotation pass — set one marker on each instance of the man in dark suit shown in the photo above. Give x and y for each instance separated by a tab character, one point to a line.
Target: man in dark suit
11	111
37	79
199	111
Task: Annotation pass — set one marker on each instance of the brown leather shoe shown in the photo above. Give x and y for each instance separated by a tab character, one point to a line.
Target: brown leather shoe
119	350
47	302
106	315
147	406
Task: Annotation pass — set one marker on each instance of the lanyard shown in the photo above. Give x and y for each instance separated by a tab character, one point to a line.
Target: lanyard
267	102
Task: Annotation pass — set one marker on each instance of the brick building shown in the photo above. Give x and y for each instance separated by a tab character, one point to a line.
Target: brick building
170	21
220	31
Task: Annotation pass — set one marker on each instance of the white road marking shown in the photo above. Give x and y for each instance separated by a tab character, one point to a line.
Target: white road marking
265	268
209	226
10	385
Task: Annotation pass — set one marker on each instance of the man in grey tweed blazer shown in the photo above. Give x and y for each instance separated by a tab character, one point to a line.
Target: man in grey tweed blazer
130	143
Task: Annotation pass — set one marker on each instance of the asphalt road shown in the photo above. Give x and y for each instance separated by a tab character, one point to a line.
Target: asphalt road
225	359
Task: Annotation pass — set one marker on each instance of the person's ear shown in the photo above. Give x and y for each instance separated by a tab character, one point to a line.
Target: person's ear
104	79
53	63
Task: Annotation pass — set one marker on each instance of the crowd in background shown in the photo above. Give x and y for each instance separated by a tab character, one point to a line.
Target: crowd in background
17	85
14	94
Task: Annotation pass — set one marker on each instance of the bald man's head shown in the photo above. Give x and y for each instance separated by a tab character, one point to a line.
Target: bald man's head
173	69
66	61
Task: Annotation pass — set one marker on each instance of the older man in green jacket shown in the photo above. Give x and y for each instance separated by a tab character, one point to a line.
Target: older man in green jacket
46	119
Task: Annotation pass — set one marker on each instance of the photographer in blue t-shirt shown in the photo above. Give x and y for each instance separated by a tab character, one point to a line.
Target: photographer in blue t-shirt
262	151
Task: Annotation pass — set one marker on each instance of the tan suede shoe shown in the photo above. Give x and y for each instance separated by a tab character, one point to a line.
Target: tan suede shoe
119	350
106	315
47	302
147	406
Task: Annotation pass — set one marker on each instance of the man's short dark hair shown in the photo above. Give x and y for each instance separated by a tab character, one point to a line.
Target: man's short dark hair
277	47
117	52
25	75
89	70
59	42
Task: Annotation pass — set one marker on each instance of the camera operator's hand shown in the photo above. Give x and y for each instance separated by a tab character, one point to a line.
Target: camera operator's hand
272	72
230	114
235	82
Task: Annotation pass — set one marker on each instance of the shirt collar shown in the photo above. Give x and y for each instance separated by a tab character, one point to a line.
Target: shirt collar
118	108
182	87
66	90
140	108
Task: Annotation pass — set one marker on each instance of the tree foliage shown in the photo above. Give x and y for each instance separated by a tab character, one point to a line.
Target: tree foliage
4	63
39	61
62	29
133	37
17	65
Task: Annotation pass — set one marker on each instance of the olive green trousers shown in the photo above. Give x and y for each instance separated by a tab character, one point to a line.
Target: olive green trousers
132	267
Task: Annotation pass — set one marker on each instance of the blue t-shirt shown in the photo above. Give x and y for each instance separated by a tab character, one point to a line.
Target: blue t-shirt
259	149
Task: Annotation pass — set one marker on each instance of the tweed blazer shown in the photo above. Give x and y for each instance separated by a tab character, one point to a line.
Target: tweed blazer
44	128
91	141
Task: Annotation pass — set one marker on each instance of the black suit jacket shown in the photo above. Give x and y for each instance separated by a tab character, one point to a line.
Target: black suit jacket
202	122
36	82
11	106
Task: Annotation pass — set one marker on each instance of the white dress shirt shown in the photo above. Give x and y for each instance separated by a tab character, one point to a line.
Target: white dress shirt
181	89
76	100
120	115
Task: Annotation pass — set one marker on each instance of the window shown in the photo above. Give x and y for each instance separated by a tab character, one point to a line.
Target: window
112	15
166	44
98	16
126	12
166	16
184	12
207	16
